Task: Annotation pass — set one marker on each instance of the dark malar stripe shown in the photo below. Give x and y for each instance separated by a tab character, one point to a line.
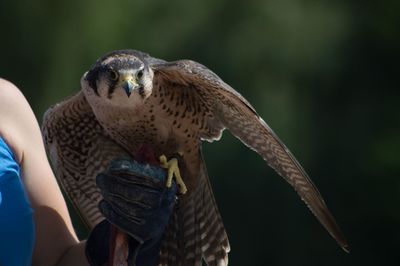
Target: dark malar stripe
111	90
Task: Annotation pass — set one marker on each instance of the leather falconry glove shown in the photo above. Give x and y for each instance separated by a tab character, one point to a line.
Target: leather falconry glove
137	202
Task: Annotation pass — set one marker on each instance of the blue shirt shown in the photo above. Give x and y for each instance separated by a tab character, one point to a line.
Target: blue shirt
17	231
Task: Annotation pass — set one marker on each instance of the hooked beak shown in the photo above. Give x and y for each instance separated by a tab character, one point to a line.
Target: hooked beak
129	83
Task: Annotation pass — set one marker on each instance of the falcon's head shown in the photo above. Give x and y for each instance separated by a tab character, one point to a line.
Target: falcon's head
120	78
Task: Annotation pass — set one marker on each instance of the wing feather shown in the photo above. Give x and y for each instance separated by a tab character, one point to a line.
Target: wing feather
196	231
232	111
79	149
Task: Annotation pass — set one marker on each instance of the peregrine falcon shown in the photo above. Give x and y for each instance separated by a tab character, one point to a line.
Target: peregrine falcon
129	99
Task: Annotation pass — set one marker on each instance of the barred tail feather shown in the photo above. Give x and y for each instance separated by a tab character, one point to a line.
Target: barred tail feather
196	232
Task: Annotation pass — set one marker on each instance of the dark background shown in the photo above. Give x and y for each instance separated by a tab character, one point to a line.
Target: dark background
323	74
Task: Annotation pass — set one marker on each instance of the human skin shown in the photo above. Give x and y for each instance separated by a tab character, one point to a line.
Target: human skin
55	240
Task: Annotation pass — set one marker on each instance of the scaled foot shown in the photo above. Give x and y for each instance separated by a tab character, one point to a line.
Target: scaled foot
173	170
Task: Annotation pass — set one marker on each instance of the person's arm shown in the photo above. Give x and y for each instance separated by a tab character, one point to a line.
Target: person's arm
150	201
56	241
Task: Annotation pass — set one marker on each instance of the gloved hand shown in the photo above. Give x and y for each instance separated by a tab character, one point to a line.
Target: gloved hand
136	201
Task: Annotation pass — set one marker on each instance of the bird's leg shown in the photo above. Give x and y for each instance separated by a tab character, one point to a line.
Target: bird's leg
173	170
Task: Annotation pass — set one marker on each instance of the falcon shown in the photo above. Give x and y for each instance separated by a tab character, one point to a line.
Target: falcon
129	99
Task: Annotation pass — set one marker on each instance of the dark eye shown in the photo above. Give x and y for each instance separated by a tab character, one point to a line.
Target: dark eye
114	75
139	74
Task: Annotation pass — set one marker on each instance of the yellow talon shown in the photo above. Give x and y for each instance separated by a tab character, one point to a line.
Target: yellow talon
173	170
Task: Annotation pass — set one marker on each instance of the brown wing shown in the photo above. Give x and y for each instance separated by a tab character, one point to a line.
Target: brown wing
196	231
203	92
79	149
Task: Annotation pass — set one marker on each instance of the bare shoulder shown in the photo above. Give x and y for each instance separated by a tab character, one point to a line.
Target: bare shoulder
17	120
20	129
9	95
5	83
11	100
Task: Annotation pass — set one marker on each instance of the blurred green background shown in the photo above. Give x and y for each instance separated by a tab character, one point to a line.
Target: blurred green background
323	74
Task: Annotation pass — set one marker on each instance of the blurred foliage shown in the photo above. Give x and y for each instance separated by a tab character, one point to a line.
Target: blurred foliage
323	74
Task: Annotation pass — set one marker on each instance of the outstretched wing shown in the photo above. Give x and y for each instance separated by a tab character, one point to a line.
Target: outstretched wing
218	106
79	149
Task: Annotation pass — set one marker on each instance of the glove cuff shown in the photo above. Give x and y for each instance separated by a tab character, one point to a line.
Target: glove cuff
98	244
101	247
